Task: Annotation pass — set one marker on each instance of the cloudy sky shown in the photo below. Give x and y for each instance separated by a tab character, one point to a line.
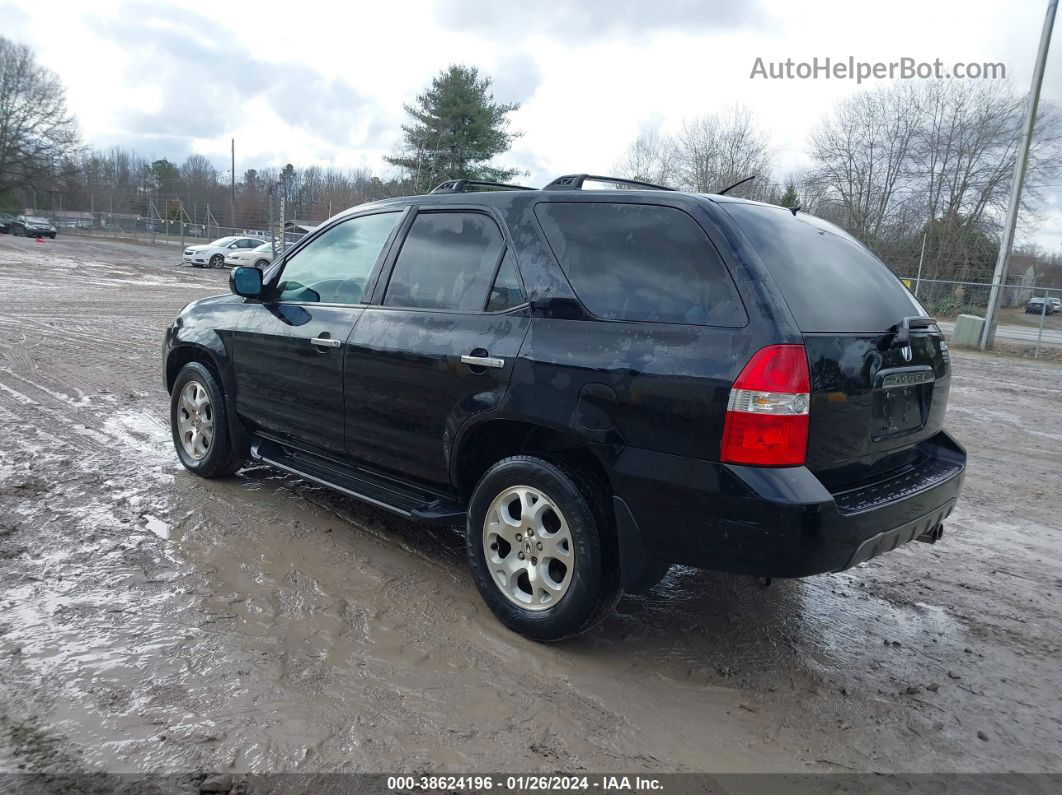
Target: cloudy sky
313	82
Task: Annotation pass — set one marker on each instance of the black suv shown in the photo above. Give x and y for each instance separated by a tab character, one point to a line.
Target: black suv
598	383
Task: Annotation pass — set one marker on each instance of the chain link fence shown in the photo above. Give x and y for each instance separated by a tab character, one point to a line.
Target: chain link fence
169	223
1029	317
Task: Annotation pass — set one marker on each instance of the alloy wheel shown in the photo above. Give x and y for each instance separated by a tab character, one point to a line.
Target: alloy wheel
195	420
528	548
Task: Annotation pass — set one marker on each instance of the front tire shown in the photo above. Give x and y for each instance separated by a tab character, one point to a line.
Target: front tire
217	261
200	424
539	542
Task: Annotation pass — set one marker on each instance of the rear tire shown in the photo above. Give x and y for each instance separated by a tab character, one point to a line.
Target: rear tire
523	508
199	424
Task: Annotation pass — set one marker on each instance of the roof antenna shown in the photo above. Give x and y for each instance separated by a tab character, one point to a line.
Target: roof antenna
742	182
793	210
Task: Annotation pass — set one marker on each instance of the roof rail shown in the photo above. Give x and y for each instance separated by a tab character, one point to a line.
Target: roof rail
462	186
575	182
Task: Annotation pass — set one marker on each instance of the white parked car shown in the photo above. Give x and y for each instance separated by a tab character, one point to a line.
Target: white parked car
258	257
213	254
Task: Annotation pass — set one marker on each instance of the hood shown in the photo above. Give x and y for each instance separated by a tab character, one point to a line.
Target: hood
205	303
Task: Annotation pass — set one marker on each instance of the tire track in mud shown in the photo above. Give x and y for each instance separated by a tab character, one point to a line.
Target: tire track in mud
46	334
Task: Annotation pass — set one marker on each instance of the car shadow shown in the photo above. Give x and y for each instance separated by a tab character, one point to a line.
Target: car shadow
693	625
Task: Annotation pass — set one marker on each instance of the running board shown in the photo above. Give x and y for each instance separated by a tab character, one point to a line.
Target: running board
391	495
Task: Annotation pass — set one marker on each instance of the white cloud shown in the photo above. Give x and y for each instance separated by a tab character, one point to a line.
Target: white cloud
325	82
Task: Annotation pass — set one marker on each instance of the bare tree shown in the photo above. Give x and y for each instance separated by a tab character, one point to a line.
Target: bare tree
862	155
37	133
964	162
651	157
934	159
717	150
708	154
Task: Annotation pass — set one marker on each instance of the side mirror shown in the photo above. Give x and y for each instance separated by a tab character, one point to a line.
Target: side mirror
246	282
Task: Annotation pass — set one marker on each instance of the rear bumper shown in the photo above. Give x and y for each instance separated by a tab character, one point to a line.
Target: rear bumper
781	522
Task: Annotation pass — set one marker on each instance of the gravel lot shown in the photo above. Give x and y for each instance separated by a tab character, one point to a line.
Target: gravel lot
150	620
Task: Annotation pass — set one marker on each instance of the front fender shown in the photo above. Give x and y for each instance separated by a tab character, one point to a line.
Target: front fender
204	329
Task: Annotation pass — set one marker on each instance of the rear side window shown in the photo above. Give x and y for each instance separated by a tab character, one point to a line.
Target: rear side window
641	262
447	261
830	281
507	291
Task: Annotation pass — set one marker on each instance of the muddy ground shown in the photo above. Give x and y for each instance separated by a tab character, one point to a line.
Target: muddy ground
150	620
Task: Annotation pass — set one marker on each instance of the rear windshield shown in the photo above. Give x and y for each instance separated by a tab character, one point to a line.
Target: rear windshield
830	280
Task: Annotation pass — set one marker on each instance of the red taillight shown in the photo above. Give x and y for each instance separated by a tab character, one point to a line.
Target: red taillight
767	413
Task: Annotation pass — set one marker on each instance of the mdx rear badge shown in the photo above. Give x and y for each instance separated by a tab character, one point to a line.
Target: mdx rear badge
894	380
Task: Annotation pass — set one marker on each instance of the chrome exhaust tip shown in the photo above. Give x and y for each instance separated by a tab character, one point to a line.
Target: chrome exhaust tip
932	535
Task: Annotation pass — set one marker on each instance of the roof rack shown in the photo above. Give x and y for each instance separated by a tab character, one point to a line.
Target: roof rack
463	185
575	182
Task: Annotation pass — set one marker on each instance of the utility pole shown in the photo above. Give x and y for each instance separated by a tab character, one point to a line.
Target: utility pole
283	234
232	199
921	259
272	226
999	278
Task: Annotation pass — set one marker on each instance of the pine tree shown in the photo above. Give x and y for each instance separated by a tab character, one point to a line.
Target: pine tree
789	198
455	130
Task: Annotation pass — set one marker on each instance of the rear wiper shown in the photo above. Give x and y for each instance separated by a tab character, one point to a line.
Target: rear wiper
902	329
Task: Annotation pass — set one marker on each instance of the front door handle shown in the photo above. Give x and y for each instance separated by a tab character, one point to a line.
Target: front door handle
325	342
482	361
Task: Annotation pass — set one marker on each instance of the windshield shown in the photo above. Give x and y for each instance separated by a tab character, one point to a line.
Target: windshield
34	219
264	247
830	280
223	241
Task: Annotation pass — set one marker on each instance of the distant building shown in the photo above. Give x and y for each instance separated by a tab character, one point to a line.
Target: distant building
1021	277
69	219
297	227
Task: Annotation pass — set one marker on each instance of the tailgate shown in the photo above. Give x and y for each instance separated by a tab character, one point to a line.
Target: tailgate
873	401
879	367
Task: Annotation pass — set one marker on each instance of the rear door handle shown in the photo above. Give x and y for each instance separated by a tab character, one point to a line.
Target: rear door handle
482	361
325	342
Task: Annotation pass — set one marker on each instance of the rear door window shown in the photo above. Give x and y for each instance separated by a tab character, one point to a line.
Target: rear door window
447	261
830	281
641	262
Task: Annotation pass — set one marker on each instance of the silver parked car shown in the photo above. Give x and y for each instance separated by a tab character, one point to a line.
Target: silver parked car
213	254
258	257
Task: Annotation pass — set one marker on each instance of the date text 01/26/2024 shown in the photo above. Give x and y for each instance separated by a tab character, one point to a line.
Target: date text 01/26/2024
523	783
